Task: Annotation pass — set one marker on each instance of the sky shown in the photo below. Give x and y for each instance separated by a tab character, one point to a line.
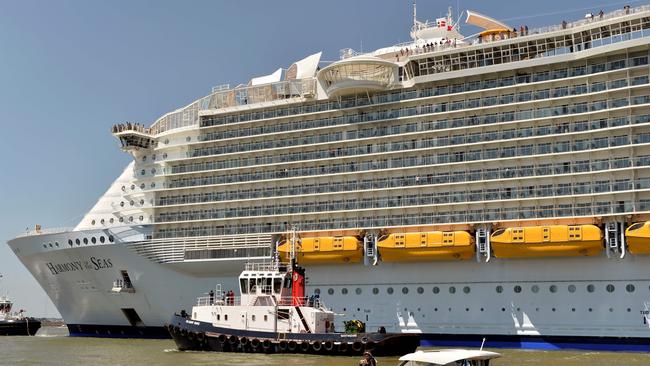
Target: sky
69	70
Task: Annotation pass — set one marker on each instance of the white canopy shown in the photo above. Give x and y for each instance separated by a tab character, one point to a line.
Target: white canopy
484	21
446	356
266	79
307	66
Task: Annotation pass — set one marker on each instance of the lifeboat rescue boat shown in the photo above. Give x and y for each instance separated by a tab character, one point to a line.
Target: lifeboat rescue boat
323	250
638	238
426	246
547	241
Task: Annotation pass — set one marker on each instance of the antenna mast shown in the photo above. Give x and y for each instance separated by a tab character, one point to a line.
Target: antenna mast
415	12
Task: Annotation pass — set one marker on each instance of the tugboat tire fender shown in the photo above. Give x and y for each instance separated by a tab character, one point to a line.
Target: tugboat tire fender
370	345
328	346
233	340
282	346
243	341
316	346
266	344
222	338
200	336
357	346
191	336
255	342
292	346
184	332
304	346
343	347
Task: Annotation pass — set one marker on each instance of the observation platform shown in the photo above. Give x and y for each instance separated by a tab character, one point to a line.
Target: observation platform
358	75
133	136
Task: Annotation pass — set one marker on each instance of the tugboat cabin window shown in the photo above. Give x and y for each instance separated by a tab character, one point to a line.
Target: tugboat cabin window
277	285
243	285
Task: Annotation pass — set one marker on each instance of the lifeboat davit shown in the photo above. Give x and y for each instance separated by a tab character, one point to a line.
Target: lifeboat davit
324	250
547	241
638	238
426	246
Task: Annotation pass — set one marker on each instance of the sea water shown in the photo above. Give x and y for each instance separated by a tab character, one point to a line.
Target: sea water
52	346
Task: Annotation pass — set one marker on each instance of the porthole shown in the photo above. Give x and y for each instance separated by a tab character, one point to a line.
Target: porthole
466	309
420	290
405	290
93	240
572	288
121	219
77	241
144	158
317	291
142	185
482	309
130	218
141	218
86	241
50	245
552	288
122	204
153	170
503	309
330	291
629	310
358	291
534	289
375	291
45	246
56	243
70	242
164	155
452	290
166	141
132	203
610	288
101	239
611	310
436	290
590	310
466	289
153	185
188	139
517	289
499	289
435	309
92	222
102	221
133	187
153	157
123	188
573	310
141	202
629	287
111	238
112	220
553	309
591	288
389	290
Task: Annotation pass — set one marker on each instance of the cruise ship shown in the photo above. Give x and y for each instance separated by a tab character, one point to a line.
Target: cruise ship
462	187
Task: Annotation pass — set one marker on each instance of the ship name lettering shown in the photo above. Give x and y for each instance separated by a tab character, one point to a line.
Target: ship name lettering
57	268
99	263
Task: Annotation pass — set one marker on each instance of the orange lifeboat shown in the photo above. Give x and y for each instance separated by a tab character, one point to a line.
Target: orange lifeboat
638	238
324	250
426	246
547	241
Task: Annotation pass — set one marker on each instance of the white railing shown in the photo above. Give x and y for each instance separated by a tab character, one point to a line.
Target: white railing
170	250
224	300
46	231
411	49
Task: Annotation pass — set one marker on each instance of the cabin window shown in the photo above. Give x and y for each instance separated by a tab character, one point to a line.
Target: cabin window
218	316
629	288
277	285
243	285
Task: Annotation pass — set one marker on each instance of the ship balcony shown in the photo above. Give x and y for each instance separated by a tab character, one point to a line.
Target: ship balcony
359	74
133	136
122	286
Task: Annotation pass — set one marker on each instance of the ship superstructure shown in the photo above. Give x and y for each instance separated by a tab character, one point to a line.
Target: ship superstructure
488	185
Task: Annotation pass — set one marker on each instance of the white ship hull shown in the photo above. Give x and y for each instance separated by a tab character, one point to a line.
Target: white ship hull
562	313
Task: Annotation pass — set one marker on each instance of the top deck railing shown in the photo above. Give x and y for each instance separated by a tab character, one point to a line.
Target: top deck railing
414	47
223	299
130	127
41	231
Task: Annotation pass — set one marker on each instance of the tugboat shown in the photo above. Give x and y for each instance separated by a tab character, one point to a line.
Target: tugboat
15	324
272	315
